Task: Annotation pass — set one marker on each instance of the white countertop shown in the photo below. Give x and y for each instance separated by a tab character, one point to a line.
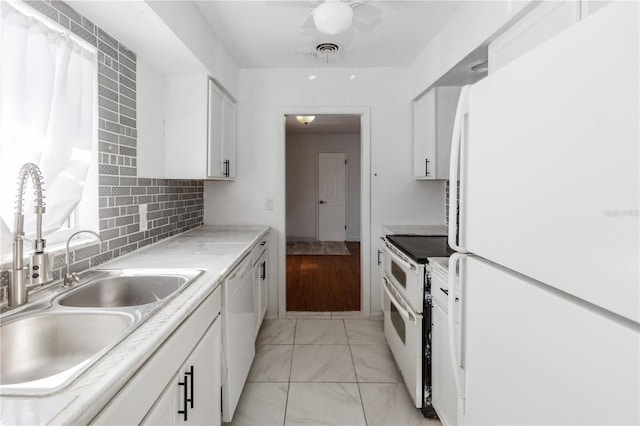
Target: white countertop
441	264
215	249
437	230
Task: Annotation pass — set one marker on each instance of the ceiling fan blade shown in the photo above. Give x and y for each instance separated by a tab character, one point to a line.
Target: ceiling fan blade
308	23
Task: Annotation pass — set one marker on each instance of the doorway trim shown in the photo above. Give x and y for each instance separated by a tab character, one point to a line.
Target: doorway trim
365	199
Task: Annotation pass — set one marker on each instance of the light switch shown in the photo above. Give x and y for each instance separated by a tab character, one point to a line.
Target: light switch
143	217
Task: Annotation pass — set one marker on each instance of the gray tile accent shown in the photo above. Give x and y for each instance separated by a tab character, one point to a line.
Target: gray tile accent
68	11
45	9
129	54
125	61
83	33
108	50
88	25
107	38
65	22
107	77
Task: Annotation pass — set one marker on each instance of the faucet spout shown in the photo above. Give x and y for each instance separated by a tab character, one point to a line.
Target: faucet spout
71	277
19	274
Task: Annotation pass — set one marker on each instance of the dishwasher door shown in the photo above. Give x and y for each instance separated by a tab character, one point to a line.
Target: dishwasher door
238	334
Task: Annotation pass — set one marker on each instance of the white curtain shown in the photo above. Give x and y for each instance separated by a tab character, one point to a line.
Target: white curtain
47	95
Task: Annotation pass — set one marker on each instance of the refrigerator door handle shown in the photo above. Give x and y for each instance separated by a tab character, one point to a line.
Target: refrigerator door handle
455	339
456	142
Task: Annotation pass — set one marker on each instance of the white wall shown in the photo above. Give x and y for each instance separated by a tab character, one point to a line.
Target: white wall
396	197
473	23
302	172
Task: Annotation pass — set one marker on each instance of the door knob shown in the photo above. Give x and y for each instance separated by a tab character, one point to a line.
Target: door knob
323	202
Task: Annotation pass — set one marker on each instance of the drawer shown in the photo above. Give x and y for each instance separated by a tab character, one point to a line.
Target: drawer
439	288
258	249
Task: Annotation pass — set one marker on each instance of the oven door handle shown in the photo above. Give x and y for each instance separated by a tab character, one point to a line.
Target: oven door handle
401	261
395	299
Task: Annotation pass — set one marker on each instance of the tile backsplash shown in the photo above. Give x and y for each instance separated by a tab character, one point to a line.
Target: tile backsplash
173	206
446	218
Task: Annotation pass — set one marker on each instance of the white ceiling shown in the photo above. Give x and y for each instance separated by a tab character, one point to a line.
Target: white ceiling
280	34
325	123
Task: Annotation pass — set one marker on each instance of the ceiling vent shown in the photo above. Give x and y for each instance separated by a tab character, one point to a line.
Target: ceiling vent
326	48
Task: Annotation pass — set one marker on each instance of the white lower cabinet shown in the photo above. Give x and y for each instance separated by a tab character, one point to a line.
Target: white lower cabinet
193	396
444	396
444	392
260	283
188	361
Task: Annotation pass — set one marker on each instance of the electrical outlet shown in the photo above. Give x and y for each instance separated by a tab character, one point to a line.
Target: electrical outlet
143	217
269	204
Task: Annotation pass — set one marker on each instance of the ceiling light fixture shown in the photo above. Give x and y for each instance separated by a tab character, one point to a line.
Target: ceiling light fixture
333	17
305	119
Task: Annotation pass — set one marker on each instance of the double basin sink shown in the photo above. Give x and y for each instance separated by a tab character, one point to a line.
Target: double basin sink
46	344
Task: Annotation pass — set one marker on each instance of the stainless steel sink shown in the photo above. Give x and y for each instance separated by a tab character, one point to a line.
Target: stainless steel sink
122	291
44	345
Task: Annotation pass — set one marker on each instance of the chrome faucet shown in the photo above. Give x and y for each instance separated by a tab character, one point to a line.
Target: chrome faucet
39	270
71	277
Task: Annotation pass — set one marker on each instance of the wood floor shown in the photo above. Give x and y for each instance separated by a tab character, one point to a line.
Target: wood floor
324	283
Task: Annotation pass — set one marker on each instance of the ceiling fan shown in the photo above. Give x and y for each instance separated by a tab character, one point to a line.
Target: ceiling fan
337	16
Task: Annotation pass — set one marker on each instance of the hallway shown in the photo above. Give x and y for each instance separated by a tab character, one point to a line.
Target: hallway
325	283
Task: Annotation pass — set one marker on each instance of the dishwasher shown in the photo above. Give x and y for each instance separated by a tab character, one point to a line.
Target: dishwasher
238	334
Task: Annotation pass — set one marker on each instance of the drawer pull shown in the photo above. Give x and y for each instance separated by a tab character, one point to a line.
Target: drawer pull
445	291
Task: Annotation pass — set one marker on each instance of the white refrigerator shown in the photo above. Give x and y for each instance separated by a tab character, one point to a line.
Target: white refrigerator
546	329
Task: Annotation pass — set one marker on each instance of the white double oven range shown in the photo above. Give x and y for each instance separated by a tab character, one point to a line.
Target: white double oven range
406	281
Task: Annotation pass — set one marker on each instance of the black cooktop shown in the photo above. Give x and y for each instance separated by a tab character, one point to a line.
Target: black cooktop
420	247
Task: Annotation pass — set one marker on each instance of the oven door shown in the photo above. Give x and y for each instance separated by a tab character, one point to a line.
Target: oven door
406	276
403	331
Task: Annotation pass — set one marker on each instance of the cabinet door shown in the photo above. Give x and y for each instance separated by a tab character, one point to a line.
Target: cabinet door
424	136
444	390
185	106
165	409
193	395
202	375
257	271
229	139
264	287
215	163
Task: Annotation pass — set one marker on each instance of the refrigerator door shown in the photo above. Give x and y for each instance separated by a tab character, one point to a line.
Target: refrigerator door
549	164
532	355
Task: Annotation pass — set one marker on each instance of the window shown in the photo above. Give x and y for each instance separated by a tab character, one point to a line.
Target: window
48	94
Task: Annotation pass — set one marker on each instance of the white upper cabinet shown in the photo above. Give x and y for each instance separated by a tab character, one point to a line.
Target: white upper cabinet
221	134
200	122
433	116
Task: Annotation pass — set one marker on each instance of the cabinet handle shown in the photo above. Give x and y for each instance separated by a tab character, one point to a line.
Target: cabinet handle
264	270
445	291
184	399
226	168
426	167
263	243
379	261
191	375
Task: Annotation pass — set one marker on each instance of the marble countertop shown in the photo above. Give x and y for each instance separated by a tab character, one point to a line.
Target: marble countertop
437	230
214	249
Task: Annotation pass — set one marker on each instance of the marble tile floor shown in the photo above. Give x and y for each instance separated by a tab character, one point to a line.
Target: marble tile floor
325	370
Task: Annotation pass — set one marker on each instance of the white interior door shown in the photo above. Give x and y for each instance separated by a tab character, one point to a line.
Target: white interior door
332	196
